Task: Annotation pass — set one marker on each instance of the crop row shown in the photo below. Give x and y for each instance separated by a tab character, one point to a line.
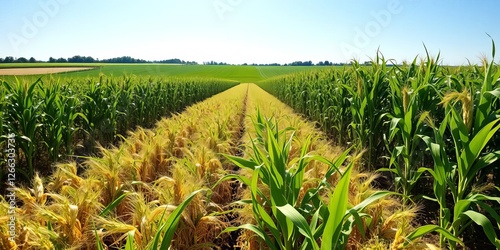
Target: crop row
51	120
305	193
413	120
134	194
176	186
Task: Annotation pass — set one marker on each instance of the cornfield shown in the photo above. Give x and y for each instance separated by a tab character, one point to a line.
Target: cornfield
53	120
370	150
134	192
415	120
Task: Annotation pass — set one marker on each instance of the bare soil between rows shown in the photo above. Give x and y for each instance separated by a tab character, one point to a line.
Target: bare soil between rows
40	71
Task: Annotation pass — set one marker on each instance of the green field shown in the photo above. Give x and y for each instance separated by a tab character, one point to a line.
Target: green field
229	72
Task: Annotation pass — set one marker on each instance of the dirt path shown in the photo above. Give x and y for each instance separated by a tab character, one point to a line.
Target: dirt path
40	71
232	241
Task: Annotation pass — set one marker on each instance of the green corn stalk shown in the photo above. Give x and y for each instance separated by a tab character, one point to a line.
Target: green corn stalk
411	97
348	104
369	97
69	112
166	228
52	115
125	106
99	108
154	98
154	111
269	163
59	113
92	107
141	97
469	141
290	220
109	126
339	218
286	222
339	111
319	95
23	111
177	97
457	177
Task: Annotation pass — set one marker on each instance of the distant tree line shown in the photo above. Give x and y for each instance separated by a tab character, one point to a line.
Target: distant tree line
10	59
77	59
89	59
263	64
128	59
123	59
298	63
176	61
214	63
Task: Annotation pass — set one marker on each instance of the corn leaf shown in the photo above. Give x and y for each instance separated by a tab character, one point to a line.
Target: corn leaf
421	231
168	228
299	221
484	222
337	208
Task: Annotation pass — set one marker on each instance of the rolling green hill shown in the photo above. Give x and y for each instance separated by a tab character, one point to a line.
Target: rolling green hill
230	72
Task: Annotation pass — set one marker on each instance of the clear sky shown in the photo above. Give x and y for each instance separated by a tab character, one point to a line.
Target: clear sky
251	31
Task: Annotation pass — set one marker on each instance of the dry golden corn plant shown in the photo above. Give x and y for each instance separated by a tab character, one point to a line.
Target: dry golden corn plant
191	165
48	218
136	194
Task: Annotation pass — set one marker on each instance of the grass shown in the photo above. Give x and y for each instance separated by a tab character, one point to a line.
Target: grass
228	72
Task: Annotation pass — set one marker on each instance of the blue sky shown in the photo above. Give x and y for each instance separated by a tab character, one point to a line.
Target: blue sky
251	31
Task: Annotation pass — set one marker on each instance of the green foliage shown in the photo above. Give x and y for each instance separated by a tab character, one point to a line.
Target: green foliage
166	228
423	113
368	106
49	118
413	95
23	119
283	219
458	173
349	104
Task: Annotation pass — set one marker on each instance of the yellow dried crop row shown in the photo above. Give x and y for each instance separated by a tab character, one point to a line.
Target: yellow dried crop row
125	196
